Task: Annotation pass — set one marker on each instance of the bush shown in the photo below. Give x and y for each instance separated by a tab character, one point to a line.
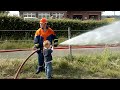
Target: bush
17	23
110	19
63	24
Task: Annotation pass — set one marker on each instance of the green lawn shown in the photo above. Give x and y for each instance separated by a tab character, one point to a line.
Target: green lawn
17	44
104	65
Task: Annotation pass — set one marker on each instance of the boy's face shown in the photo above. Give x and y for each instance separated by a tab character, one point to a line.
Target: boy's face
47	46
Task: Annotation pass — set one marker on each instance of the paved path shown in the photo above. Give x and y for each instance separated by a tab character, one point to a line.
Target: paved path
57	52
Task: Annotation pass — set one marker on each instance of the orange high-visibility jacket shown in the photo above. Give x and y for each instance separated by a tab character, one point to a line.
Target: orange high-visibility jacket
41	36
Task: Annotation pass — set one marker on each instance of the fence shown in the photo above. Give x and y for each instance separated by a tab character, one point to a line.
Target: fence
68	36
29	35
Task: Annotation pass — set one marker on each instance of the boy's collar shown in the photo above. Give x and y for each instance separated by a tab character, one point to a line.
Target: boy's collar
45	48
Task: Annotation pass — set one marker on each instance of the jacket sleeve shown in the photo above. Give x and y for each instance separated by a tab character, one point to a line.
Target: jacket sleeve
55	39
36	39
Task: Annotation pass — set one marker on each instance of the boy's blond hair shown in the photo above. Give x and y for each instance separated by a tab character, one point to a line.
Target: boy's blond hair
46	42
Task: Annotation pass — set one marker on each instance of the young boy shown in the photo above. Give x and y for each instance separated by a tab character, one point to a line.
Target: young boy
48	49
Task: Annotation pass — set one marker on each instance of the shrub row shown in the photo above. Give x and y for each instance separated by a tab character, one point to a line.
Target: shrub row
17	23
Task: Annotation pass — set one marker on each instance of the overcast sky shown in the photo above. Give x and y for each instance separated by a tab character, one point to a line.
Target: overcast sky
103	13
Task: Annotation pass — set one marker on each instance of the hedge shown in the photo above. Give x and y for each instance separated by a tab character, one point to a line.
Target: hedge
17	23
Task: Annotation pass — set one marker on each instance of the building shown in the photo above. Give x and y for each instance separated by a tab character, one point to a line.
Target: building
83	15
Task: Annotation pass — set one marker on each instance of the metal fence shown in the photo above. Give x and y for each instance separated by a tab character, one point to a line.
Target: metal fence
68	35
29	34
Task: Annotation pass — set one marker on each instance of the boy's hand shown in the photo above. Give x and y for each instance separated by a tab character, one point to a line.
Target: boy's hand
51	47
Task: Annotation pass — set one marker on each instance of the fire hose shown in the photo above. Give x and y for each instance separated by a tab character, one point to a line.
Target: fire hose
20	67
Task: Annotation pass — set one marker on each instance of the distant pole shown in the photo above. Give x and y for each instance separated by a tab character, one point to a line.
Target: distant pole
114	14
69	36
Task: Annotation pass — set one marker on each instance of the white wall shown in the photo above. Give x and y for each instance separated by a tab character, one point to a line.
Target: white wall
12	13
110	13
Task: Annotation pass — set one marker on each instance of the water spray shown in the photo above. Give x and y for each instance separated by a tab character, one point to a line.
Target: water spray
107	34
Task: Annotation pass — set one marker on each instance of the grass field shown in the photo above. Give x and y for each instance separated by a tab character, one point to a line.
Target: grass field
103	66
17	44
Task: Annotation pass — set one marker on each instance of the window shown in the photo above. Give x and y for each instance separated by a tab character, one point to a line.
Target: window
29	14
77	17
30	18
58	15
94	17
61	15
24	15
41	15
54	15
33	15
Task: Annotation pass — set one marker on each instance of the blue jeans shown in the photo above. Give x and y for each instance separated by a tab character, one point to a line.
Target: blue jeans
40	58
48	69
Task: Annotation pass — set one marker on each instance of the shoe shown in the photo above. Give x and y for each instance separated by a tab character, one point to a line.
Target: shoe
50	77
40	69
